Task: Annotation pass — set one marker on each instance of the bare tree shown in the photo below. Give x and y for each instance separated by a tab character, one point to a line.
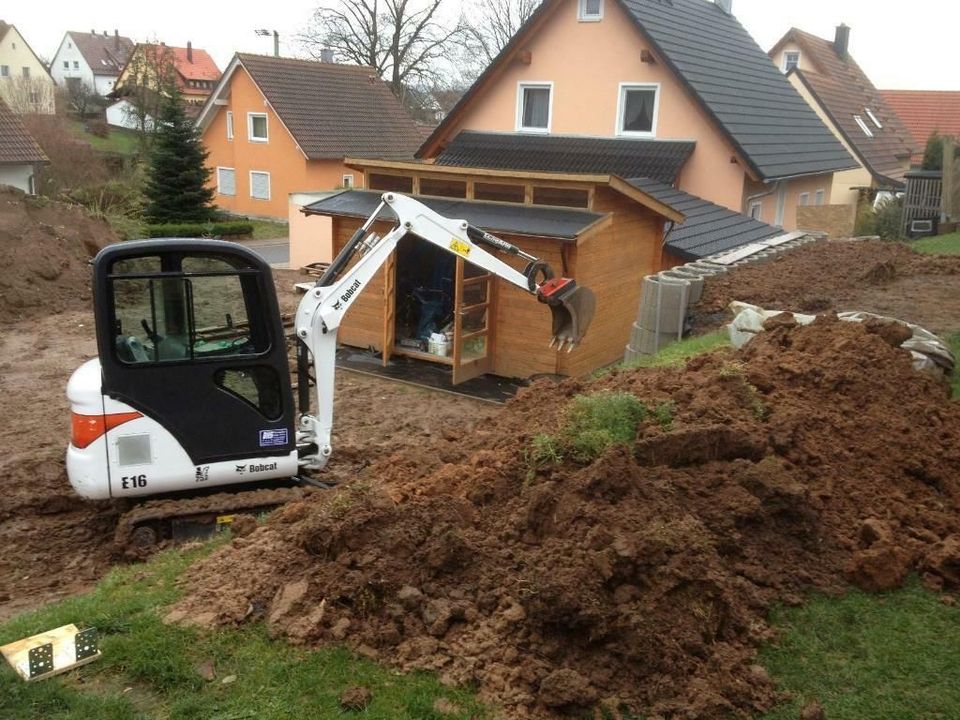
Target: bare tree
81	96
26	95
492	23
150	76
404	40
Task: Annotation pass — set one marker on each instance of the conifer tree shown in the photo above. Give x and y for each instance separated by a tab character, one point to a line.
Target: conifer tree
176	188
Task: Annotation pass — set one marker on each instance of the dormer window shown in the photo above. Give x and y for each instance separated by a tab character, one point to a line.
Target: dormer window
790	61
874	119
863	126
590	10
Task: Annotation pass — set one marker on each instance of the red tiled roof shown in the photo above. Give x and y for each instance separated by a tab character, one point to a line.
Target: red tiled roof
16	144
926	111
105	54
200	66
845	92
335	110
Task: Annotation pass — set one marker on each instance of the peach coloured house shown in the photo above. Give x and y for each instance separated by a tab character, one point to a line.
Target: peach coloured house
829	79
276	126
649	75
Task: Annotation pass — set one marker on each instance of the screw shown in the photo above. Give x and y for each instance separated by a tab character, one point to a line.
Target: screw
317	292
303	332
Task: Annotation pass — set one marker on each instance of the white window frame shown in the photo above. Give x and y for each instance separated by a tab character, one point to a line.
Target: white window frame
219	189
347	180
521	86
582	12
804	199
874	118
266	119
820	198
783	65
229	124
758	207
269	185
863	126
622	106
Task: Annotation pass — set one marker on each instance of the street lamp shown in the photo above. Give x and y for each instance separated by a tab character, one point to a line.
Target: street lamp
262	32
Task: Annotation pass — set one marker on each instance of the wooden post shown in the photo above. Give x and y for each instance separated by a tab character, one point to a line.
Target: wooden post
948	202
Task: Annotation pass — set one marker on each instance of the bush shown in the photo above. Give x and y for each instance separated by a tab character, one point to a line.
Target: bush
206	230
889	219
98	128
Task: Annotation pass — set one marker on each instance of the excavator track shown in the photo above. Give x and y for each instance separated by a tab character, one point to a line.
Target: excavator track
148	525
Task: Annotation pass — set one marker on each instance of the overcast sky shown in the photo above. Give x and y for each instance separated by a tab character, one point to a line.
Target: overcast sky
904	45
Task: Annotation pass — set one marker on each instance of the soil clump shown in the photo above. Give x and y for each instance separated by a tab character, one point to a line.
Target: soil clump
812	458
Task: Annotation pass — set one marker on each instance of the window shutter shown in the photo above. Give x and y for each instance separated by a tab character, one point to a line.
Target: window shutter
260	185
227	180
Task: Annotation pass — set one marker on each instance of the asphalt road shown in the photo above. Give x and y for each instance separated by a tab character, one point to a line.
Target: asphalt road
275	252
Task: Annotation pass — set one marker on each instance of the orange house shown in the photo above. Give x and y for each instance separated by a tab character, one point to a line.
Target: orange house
645	74
276	126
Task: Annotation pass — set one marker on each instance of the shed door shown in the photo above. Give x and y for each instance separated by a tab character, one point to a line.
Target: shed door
389	307
473	322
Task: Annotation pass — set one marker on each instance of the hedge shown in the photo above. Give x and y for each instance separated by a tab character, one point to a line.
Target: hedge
196	230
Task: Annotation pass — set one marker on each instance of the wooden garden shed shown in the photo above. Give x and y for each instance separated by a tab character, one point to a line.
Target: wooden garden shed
598	229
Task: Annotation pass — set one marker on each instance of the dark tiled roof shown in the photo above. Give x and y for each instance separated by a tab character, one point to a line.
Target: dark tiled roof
735	81
844	90
708	228
924	112
658	159
333	110
16	144
557	223
105	54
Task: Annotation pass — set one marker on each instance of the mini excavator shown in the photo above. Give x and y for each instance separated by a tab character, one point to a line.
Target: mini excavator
192	389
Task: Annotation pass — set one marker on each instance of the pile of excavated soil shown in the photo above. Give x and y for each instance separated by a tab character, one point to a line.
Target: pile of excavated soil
812	458
883	277
45	248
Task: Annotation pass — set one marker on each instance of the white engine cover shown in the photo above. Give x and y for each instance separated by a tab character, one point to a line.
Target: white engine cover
140	457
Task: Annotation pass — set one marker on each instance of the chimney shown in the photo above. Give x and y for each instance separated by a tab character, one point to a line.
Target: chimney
93	32
116	39
104	33
841	42
189	51
326	55
726	6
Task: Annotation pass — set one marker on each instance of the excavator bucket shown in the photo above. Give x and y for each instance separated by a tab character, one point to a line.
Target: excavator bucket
572	308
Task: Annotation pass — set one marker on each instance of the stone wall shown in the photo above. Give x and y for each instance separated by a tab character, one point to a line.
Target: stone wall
837	221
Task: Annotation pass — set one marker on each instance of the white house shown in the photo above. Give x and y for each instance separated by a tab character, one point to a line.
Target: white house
20	156
92	59
123	114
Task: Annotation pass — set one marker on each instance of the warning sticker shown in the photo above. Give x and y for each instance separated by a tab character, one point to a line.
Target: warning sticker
460	247
273	438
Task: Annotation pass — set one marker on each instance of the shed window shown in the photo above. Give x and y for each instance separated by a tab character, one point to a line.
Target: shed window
590	10
563	197
638	110
390	183
534	107
259	185
226	181
498	192
443	188
257	127
790	61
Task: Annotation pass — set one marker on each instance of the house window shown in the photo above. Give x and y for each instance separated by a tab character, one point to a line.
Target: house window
229	125
26	72
226	181
874	119
76	64
756	210
533	105
66	64
790	61
257	127
590	10
4	71
259	185
638	110
863	126
347	181
818	197
804	199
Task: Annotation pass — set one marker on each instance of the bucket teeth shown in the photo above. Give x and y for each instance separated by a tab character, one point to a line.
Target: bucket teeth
573	312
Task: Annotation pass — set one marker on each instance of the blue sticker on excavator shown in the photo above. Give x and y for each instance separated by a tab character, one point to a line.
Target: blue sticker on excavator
273	438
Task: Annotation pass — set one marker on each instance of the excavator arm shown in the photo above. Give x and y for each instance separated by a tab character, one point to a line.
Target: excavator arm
322	309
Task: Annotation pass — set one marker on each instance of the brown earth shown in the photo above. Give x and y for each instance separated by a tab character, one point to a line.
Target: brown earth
882	277
641	580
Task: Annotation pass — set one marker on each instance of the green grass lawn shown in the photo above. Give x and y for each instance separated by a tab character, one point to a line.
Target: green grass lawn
150	670
121	141
939	245
268	229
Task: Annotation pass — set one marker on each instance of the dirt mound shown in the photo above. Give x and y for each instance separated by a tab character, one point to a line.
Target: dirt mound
883	277
813	457
45	246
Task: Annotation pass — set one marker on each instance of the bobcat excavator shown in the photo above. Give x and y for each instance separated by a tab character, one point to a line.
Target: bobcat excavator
191	389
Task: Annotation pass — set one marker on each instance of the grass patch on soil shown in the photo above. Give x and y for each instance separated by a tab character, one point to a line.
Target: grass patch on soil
892	655
939	245
150	670
679	352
